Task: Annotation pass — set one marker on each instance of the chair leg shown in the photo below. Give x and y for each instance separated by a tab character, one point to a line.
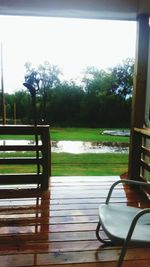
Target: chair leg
122	254
127	241
106	242
97	231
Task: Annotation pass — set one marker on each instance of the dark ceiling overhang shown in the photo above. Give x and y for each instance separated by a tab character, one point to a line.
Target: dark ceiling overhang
97	9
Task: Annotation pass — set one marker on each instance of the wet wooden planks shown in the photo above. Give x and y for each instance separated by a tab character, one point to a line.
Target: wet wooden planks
57	227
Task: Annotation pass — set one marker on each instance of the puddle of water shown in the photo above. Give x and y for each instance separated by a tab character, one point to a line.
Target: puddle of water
74	147
117	132
16	142
78	147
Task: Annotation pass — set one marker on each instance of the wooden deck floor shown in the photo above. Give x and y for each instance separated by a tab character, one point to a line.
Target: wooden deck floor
57	227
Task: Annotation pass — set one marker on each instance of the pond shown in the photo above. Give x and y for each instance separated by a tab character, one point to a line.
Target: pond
117	132
77	147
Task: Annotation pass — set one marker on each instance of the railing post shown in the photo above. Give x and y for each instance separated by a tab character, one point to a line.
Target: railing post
139	94
43	160
46	151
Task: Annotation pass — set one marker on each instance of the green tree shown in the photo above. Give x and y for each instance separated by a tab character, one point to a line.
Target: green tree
102	100
97	82
48	76
123	79
64	104
23	106
105	103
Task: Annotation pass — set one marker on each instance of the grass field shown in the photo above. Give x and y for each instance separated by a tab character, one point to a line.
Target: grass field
84	134
82	164
77	164
89	164
74	134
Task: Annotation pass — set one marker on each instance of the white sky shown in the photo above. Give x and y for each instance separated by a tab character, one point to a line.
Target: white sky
72	44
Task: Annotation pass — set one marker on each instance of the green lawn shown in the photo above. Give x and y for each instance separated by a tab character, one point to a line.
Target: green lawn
64	164
73	134
89	164
76	164
84	134
16	137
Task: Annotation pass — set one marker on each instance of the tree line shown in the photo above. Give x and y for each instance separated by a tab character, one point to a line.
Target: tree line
101	99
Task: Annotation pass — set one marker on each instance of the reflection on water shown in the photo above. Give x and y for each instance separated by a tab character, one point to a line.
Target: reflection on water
76	147
17	142
117	132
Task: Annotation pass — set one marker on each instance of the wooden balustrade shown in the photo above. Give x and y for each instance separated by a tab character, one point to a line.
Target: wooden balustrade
143	165
40	159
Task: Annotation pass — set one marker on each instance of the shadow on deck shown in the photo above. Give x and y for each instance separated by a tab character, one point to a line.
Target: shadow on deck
57	227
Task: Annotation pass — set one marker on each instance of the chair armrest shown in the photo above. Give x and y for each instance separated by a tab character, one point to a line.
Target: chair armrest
134	222
140	214
126	181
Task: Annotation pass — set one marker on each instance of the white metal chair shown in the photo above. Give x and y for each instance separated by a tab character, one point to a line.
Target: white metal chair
123	224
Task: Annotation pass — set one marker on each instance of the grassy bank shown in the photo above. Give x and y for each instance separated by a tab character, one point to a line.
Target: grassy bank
82	164
89	164
74	134
84	134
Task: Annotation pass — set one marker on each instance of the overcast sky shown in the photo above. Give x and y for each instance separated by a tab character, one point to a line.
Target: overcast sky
71	44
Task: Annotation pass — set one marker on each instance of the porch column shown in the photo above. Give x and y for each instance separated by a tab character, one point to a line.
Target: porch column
139	94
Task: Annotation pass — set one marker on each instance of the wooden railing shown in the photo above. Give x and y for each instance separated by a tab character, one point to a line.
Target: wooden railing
142	159
39	161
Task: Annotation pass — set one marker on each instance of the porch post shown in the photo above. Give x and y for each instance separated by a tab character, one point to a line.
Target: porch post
139	94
